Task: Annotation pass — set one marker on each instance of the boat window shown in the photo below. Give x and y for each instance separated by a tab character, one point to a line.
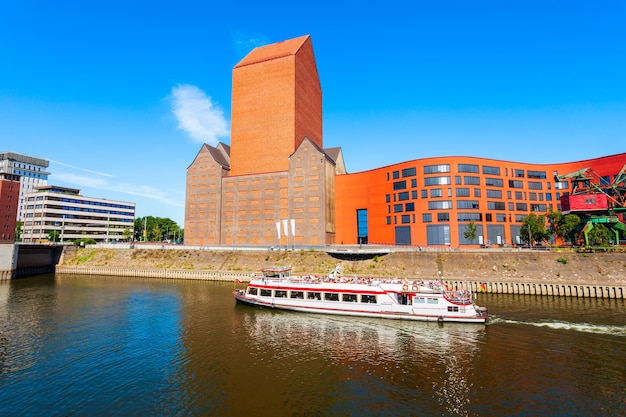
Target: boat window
419	300
433	301
351	298
280	294
313	296
368	298
331	296
252	291
297	294
453	308
266	293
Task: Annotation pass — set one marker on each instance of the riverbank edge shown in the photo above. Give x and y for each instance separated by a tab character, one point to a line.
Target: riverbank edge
597	275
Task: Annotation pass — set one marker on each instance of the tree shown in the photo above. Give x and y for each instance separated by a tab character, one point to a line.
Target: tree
534	229
127	234
470	232
563	226
156	229
53	236
600	235
18	231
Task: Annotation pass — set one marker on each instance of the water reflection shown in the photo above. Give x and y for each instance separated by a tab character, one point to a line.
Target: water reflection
374	358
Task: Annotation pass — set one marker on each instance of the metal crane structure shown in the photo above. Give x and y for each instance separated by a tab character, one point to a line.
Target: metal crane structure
596	200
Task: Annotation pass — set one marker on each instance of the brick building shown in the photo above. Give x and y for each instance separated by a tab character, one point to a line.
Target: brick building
9	203
275	184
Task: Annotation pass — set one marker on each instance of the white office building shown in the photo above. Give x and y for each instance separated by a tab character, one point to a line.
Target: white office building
33	173
73	216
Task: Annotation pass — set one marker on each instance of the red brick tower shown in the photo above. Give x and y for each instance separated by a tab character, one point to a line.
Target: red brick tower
276	103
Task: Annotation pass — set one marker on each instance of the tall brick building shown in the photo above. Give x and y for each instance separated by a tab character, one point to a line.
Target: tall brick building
275	184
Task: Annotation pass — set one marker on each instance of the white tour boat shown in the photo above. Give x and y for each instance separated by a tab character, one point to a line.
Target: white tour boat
354	296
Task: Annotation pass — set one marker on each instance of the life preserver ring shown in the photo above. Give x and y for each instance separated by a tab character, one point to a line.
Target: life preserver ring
405	287
415	288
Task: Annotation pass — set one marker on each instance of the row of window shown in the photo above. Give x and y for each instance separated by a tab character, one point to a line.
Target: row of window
472	168
465	192
82	202
313	295
462	217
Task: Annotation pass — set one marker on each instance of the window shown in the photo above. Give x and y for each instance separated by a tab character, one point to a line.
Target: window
538	207
365	298
413	183
516	184
331	296
494	194
403	196
501	218
563	185
399	185
491	170
443	217
396	175
280	294
440	205
495	205
414	194
494	182
424	193
467	204
462	192
535	185
467	180
519	195
427	217
521	207
536	174
468	168
436	192
397	208
387	198
297	294
405	218
362	227
432	169
266	293
313	296
409	207
408	172
519	173
252	291
437	181
438	234
469	217
348	298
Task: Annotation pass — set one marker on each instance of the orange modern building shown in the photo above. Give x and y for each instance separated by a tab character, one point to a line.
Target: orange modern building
276	184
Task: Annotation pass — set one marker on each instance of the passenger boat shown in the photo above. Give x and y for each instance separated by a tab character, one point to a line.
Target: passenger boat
365	297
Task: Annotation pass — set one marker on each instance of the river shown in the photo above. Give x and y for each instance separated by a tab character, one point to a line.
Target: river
96	346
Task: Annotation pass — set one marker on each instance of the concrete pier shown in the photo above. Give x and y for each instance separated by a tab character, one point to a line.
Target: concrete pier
497	287
549	289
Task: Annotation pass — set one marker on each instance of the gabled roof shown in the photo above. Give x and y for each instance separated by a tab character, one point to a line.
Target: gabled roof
273	51
333	153
221	154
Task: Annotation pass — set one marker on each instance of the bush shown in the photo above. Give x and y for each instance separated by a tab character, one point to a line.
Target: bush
562	260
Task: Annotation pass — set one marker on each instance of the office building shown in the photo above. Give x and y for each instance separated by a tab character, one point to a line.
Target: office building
66	215
32	170
9	200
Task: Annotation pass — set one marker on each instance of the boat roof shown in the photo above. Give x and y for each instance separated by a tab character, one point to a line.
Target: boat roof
277	269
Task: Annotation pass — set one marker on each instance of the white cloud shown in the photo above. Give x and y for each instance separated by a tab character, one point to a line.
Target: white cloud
197	115
244	43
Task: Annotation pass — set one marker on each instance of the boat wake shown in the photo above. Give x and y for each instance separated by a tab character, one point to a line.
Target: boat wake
611	330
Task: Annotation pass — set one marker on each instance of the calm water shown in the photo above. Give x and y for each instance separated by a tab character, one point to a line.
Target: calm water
86	346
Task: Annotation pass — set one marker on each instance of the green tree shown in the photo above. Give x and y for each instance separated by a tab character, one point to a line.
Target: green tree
471	232
563	226
534	229
18	231
127	234
53	236
156	229
600	235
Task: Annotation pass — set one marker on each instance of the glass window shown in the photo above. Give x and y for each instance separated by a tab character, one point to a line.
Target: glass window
331	296
494	182
440	205
436	192
467	204
397	208
427	217
491	170
403	196
399	185
468	168
432	169
408	172
362	226
409	207
495	205
537	174
443	217
494	193
516	184
437	181
405	218
462	192
467	180
396	175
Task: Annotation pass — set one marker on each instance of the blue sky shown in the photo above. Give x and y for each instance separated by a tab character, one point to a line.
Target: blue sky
120	95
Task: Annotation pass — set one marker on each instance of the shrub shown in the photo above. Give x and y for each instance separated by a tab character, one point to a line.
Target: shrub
562	260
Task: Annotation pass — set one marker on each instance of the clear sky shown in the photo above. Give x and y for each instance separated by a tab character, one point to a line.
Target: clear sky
120	95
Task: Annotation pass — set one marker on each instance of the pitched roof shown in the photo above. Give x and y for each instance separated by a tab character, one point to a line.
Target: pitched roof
273	51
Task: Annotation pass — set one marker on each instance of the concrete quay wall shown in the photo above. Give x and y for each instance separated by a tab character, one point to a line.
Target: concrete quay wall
475	285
